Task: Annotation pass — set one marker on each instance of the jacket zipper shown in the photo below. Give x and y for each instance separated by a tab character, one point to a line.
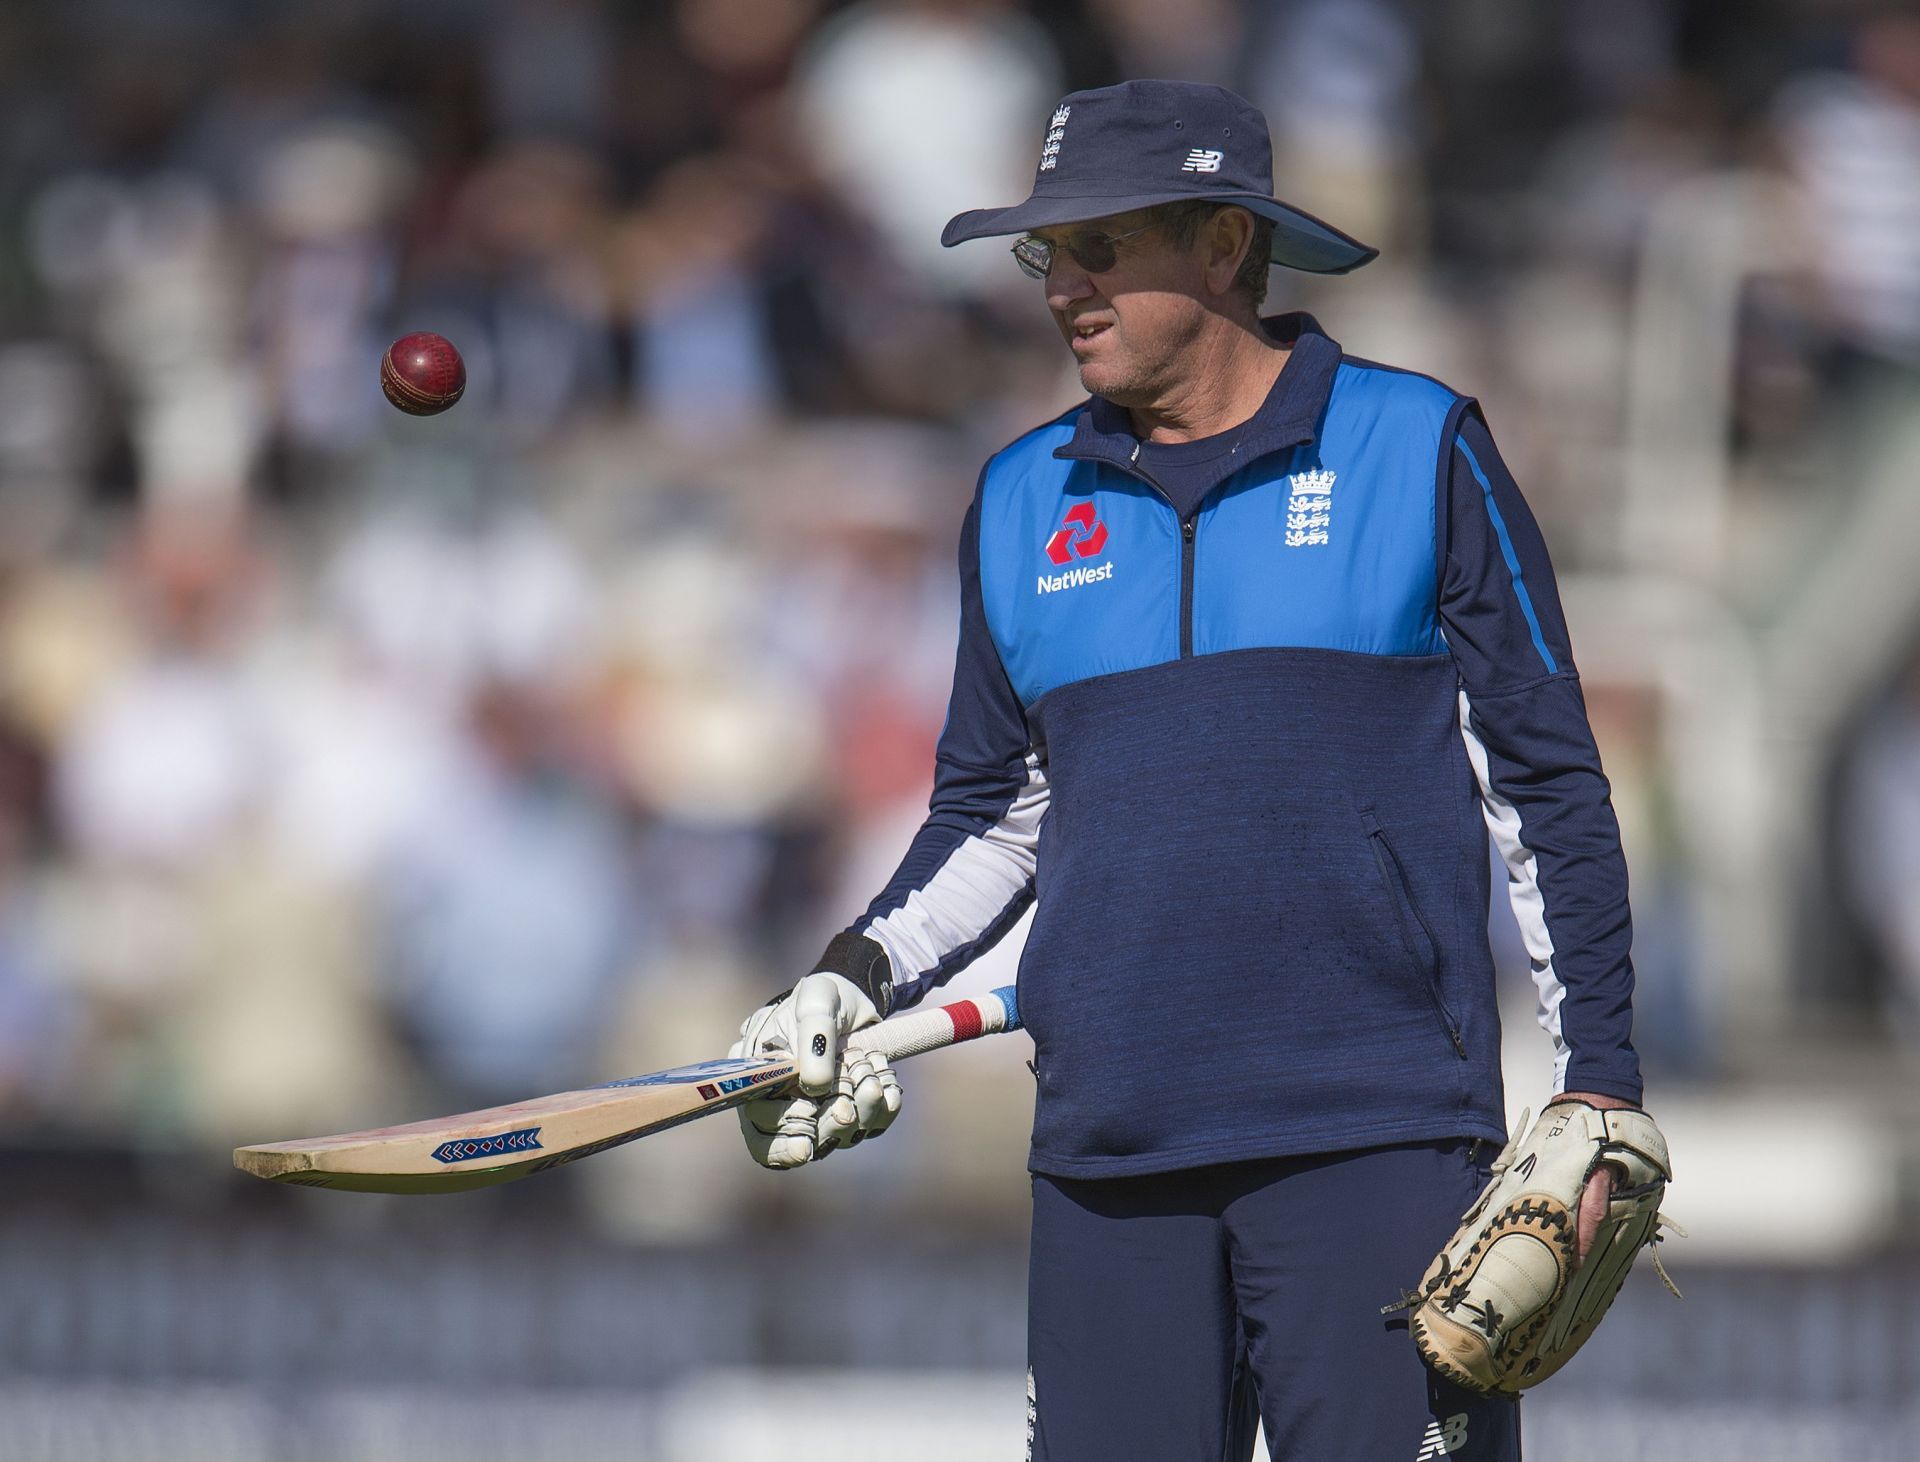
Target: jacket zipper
1187	524
1186	587
1186	550
1396	877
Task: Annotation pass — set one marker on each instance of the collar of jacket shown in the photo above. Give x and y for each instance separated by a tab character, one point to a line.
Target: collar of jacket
1289	416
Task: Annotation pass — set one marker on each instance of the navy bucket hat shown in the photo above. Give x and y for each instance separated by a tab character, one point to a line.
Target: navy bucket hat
1140	143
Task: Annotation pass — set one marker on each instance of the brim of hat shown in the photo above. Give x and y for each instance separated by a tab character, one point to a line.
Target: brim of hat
1300	241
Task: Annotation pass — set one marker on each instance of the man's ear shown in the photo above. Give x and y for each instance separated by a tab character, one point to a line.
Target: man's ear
1227	236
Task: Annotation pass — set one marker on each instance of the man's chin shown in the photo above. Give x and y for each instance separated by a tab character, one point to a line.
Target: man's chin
1100	378
1113	385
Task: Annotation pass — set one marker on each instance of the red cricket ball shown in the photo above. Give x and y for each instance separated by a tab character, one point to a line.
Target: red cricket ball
422	373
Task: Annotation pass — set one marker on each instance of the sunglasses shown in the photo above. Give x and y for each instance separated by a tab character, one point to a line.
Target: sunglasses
1093	252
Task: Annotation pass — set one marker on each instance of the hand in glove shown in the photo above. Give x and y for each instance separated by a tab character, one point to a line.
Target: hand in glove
843	1099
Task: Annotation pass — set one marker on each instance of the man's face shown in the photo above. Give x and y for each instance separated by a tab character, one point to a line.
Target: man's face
1127	325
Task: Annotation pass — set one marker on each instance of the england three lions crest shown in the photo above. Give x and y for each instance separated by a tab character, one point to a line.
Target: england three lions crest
1309	508
1056	134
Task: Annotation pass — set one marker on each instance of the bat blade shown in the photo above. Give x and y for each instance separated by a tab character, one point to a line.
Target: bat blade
499	1144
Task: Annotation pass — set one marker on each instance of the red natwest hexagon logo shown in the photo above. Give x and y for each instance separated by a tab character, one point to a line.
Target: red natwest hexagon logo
1080	533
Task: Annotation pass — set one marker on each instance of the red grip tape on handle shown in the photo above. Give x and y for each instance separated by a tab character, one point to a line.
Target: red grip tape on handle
965	1015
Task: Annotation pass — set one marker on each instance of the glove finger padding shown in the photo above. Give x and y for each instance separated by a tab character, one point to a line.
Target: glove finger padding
866	1098
1503	1306
781	1132
878	1097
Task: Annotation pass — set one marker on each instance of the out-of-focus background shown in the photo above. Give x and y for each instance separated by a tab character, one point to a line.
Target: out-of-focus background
355	767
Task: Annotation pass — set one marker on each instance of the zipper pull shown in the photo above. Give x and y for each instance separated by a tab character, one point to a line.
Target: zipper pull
1186	529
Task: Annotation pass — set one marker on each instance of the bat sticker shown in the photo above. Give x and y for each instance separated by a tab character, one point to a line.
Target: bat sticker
466	1149
755	1078
725	1066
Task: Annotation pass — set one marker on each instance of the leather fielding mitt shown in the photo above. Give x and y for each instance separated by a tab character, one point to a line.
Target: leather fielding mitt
1503	1306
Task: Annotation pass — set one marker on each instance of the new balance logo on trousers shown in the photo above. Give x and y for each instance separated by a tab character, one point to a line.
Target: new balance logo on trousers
1443	1438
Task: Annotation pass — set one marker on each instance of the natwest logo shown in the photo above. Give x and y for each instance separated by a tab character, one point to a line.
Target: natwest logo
1080	534
1074	578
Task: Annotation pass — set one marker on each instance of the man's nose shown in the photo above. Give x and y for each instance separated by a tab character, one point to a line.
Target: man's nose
1067	282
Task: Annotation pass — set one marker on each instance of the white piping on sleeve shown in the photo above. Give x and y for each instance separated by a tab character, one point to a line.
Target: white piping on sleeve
970	890
1523	890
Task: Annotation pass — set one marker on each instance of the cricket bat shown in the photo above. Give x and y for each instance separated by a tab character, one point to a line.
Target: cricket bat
499	1144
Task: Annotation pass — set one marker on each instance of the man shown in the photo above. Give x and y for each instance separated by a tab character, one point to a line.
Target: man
1255	645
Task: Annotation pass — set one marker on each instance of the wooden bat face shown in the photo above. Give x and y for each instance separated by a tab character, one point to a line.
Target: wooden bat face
499	1144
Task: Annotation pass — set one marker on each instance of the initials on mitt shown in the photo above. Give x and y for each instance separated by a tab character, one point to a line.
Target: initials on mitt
1502	1307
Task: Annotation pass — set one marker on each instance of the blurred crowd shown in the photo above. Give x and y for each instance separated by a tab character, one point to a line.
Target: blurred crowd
351	763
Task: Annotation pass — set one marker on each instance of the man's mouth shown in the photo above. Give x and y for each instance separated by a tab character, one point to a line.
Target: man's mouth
1085	332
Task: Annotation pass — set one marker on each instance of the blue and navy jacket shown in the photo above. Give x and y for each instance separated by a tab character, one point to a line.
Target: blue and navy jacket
1247	762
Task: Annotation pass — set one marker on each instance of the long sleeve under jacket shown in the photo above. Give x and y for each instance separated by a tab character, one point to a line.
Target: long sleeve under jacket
1246	762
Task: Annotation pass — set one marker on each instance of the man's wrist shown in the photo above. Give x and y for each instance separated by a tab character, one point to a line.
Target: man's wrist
861	960
1597	1099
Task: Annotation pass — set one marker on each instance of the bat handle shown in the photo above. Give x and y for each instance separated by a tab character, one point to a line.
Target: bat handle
944	1025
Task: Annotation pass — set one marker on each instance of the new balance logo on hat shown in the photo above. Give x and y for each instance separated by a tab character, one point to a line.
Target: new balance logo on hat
1200	160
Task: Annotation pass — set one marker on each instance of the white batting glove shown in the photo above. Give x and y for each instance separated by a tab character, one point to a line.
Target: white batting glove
841	1101
866	1099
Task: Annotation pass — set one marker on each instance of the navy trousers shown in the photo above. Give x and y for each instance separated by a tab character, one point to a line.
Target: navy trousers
1168	1313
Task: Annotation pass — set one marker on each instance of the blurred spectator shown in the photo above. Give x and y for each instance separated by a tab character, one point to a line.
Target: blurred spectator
519	282
704	362
1881	828
1337	80
508	913
326	201
50	444
443	597
1852	145
1669	1026
550	68
36	1015
165	762
1183	40
747	47
266	84
918	109
1600	181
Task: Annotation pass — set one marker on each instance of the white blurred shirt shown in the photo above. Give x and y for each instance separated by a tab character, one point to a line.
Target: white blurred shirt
1853	148
918	116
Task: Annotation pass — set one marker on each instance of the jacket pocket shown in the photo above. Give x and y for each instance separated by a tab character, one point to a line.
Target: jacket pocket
1415	933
